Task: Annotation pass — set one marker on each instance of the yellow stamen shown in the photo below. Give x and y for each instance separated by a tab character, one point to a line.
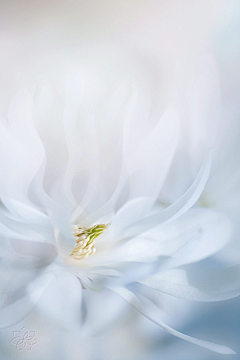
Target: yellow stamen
85	240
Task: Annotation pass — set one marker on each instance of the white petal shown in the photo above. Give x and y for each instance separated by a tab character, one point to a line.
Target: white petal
5	232
82	145
21	261
65	239
22	304
59	214
132	211
102	310
25	212
149	160
62	300
11	228
197	285
21	151
195	235
185	202
151	312
26	221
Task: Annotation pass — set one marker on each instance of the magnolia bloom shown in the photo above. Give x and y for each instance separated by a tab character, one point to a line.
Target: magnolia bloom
82	221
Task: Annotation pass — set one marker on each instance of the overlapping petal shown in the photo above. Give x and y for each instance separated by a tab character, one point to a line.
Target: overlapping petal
69	170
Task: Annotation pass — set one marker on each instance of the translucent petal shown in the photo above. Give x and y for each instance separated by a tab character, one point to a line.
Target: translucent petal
132	211
26	223
185	202
151	312
82	146
149	160
24	302
197	285
62	300
21	151
97	320
21	262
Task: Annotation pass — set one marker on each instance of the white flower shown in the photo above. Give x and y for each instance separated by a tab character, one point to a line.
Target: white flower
76	170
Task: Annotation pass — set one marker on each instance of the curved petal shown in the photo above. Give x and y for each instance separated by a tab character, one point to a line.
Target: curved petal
23	303
82	144
198	285
132	211
63	234
194	236
29	223
151	312
62	300
149	160
5	232
21	262
58	212
25	212
185	202
97	320
114	175
21	151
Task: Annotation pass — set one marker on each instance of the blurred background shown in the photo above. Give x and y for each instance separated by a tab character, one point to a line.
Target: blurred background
185	53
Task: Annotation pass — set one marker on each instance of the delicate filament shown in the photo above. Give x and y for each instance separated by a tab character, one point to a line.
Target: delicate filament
85	240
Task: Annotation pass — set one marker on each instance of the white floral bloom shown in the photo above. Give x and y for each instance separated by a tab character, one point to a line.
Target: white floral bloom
82	221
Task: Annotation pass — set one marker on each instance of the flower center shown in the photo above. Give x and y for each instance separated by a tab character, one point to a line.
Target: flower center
85	240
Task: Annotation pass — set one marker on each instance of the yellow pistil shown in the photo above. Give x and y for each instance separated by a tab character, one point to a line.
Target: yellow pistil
85	240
